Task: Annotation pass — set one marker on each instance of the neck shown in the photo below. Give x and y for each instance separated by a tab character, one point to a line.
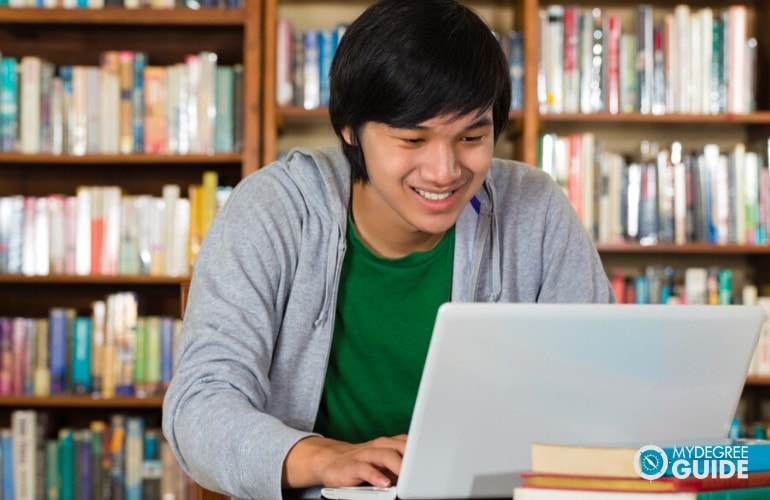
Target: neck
383	230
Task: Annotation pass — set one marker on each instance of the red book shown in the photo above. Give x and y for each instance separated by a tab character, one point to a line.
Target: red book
612	82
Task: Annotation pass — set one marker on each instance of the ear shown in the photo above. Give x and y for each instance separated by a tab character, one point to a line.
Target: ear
347	134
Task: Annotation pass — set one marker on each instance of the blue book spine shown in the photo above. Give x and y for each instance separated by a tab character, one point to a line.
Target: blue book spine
312	70
137	101
9	104
134	456
83	466
515	42
81	355
166	350
6	451
57	345
65	73
327	46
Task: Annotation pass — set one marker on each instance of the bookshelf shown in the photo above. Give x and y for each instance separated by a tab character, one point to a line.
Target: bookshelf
287	126
79	36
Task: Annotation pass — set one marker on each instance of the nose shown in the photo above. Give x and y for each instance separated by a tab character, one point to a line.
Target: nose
441	168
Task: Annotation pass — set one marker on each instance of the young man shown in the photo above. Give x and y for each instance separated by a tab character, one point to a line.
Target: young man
314	295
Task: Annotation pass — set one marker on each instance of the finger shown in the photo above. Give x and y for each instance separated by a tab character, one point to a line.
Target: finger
395	443
374	476
387	459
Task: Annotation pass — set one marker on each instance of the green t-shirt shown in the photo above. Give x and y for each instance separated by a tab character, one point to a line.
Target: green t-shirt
386	309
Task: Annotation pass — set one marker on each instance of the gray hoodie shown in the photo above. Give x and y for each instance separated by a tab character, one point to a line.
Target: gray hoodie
257	331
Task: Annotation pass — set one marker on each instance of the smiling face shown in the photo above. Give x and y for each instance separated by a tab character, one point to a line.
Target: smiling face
420	179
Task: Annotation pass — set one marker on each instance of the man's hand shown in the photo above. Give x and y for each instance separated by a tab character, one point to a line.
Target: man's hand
317	461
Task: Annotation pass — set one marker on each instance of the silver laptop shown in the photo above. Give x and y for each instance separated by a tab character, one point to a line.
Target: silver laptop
500	376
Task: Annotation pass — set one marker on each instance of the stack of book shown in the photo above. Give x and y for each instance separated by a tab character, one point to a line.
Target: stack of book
719	470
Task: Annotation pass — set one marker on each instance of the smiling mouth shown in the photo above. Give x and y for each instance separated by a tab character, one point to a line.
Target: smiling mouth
428	195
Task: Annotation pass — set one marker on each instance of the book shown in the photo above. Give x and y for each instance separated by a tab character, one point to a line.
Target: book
83	463
24	437
117	456
6	470
152	468
618	461
99	485
81	355
9	103
133	457
565	494
66	462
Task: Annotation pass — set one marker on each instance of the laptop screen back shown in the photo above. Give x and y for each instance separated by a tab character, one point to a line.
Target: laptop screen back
500	376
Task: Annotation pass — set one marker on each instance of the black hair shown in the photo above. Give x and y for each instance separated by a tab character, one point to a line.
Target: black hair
402	62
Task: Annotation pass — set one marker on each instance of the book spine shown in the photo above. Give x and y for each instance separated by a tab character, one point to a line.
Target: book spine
83	471
166	351
9	105
571	70
134	456
81	355
29	104
19	356
52	483
612	71
57	342
152	469
153	360
736	58
327	46
553	63
109	102
311	73
66	462
97	430
284	87
237	108
644	58
140	364
156	138
6	451
137	101
516	67
24	436
117	454
223	141
126	79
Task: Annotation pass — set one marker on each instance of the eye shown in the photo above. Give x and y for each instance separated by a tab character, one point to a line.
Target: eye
472	138
412	140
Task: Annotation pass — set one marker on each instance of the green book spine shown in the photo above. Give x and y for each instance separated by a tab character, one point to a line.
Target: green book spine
52	485
66	464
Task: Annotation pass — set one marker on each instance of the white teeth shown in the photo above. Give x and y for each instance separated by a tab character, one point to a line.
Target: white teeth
433	196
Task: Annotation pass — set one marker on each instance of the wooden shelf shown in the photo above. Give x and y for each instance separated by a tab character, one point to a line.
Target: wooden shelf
70	401
686	249
93	280
121	16
758	118
132	159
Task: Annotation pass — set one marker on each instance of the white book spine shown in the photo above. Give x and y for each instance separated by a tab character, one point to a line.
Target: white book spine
29	109
83	232
24	432
171	194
